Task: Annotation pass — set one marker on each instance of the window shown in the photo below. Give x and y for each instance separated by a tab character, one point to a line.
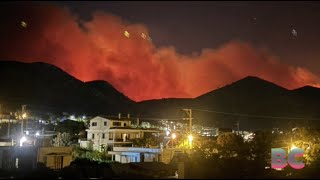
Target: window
110	136
94	124
124	124
103	135
105	123
92	136
116	123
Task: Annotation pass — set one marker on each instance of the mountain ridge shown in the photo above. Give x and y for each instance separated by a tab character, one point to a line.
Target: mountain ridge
40	84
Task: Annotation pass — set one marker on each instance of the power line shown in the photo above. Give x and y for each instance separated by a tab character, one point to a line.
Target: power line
257	116
151	118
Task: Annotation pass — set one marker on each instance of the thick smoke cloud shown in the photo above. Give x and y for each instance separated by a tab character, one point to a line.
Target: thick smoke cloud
98	49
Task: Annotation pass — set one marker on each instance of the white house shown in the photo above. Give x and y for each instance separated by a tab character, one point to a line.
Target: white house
133	154
112	133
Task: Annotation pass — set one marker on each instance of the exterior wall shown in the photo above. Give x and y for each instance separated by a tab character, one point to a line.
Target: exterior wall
113	123
50	160
151	157
100	123
6	143
131	154
7	120
112	137
134	157
136	149
86	144
168	154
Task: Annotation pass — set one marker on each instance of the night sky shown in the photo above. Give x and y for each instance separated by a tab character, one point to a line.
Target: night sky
196	47
193	26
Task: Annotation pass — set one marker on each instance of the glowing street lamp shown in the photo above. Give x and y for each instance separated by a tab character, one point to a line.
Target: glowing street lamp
190	138
22	140
173	136
293	147
24	115
167	133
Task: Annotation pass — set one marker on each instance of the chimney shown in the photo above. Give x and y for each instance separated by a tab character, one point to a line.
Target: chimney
119	115
128	116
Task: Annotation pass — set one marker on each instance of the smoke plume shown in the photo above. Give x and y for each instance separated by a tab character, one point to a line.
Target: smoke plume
100	49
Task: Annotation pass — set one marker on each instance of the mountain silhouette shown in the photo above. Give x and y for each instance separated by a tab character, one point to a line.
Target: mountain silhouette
252	101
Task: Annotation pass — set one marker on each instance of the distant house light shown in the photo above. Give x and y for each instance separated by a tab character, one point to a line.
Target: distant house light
22	140
167	133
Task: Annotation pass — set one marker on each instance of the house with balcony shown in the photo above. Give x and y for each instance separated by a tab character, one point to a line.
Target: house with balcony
109	133
134	154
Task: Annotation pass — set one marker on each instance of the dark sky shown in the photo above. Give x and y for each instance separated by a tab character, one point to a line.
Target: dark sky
192	26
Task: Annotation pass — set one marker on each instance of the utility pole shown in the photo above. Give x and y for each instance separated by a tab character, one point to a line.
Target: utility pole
137	122
2	118
189	113
238	128
1	112
9	121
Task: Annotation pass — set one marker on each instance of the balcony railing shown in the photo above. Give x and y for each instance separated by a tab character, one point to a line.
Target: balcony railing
121	140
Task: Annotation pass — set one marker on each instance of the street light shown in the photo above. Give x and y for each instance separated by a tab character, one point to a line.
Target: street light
190	138
22	140
293	147
167	133
24	115
173	136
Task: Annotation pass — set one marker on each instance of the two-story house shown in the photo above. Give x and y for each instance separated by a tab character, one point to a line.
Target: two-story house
106	133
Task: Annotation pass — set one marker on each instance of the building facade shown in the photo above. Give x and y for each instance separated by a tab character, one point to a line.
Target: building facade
55	157
107	133
133	154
